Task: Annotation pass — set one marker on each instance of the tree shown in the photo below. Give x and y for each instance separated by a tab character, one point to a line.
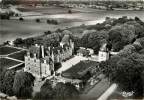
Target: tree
65	91
48	32
69	11
6	81
93	39
127	50
38	20
21	19
23	85
138	28
121	35
18	41
28	42
46	92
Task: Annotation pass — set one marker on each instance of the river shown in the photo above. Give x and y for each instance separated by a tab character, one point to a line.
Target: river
11	29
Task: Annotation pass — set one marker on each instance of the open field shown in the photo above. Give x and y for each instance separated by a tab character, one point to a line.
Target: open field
47	10
6	63
7	50
12	29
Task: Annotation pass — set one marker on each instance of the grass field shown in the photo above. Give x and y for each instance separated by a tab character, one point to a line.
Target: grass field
7	50
47	10
6	63
19	55
80	69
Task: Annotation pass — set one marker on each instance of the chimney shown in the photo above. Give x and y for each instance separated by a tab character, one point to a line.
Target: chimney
66	48
58	51
36	45
52	56
35	55
28	54
45	61
42	48
49	48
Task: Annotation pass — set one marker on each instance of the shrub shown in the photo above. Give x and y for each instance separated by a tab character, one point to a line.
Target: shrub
21	19
5	16
48	21
37	20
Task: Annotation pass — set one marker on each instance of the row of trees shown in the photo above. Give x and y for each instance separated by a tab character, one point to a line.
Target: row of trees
48	39
119	32
52	21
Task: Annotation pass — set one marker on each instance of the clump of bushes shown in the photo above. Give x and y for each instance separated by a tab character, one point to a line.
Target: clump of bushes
21	19
69	11
55	22
5	16
38	20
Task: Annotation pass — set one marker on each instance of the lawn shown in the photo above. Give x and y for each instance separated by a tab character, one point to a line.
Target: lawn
19	55
7	50
6	63
80	69
46	10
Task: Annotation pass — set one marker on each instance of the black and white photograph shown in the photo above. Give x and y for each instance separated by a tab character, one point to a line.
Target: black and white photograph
71	49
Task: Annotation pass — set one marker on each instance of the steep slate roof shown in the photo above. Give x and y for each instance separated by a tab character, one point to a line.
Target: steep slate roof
66	39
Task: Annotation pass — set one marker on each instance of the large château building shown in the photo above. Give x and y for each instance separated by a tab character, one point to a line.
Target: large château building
40	59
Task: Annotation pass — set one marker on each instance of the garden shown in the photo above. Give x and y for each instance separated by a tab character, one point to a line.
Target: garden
6	63
19	55
7	50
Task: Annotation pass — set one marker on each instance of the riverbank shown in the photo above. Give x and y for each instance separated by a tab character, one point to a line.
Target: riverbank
12	29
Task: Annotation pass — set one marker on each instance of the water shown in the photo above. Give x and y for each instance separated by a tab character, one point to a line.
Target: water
9	30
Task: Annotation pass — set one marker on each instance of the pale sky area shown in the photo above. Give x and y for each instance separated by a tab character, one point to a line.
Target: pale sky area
95	0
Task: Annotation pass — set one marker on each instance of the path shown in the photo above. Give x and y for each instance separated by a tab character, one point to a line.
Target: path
97	90
14	59
108	92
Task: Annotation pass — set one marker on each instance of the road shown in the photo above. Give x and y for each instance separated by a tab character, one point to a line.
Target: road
97	90
108	92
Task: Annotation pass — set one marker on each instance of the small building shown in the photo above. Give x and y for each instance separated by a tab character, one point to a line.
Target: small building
85	51
104	53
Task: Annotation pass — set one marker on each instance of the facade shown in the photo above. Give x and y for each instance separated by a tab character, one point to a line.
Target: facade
104	53
40	60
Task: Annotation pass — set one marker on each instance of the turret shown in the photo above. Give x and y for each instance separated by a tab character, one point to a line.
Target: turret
28	54
42	48
34	55
103	53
